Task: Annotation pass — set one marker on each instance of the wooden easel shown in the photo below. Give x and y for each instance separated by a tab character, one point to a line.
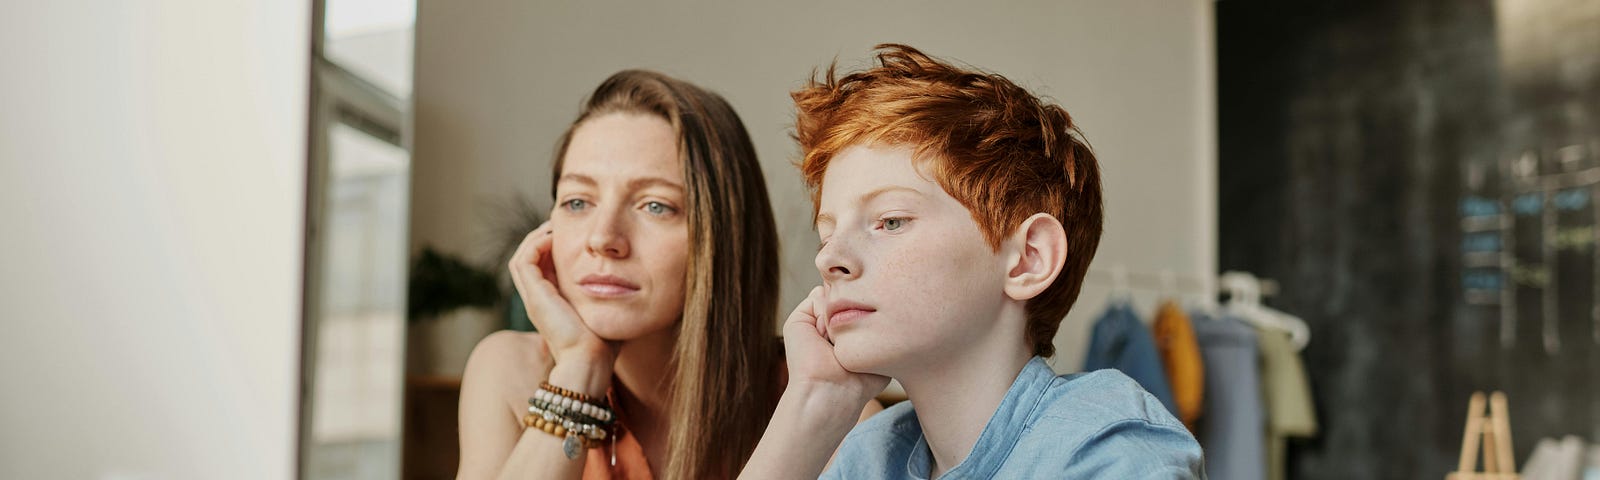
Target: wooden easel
1494	430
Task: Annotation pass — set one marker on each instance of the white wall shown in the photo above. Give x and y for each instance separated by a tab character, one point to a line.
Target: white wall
152	162
499	80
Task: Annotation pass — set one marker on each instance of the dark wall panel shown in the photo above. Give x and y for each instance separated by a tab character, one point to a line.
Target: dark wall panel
1420	176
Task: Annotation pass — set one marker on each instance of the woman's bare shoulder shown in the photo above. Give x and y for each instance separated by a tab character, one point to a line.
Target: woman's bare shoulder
509	360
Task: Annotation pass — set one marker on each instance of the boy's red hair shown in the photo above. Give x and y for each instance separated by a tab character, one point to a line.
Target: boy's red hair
999	150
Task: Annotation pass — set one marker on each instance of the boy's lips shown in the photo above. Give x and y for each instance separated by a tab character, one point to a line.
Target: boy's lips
844	312
607	286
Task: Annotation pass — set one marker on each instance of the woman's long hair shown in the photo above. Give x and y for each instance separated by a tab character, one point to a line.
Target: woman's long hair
725	364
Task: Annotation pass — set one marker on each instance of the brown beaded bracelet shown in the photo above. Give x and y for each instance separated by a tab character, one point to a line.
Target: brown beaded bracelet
567	393
572	442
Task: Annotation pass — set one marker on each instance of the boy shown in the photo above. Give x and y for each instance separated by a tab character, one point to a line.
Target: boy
958	214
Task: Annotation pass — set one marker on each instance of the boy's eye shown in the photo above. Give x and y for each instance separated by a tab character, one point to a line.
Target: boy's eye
575	204
892	224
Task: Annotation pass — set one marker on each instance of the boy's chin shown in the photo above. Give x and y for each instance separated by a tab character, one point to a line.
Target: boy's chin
860	356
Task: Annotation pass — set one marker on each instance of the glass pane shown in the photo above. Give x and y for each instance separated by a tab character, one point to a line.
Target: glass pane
360	315
373	39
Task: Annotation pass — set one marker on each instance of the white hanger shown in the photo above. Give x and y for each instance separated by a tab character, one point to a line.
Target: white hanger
1206	301
1244	291
1119	284
1169	284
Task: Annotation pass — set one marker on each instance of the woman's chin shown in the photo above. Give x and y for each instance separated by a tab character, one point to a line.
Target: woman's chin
619	327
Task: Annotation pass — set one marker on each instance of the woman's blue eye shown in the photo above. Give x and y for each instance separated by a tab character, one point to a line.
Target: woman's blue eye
892	224
657	208
575	204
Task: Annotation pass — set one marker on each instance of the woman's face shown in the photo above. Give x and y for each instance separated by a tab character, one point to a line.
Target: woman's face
621	234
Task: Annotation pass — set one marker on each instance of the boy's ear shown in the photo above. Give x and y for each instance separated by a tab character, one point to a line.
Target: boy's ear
1040	254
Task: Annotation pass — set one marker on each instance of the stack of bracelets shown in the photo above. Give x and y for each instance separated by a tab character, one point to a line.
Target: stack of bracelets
577	418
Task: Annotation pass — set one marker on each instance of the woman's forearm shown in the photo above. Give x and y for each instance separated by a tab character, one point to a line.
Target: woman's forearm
541	455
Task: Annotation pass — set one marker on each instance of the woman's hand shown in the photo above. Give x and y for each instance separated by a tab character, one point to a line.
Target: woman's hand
812	360
583	361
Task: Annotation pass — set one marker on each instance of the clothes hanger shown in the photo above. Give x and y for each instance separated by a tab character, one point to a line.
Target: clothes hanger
1244	302
1121	292
1299	332
1169	285
1205	302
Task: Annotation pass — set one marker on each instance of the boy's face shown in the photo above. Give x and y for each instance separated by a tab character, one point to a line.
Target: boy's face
906	272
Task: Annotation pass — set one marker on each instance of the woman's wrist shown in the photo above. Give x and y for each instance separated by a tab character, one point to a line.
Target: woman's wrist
587	374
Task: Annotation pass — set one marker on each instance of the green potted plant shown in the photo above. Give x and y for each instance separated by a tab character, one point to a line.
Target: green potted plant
450	306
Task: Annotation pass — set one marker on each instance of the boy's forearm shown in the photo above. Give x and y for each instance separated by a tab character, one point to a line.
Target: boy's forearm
805	430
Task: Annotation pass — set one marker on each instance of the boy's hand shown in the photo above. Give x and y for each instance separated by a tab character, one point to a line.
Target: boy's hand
820	405
811	358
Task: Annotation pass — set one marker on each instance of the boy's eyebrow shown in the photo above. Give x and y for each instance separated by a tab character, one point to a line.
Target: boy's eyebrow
888	189
824	218
827	218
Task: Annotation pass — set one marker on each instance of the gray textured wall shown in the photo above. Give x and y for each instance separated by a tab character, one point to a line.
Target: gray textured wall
1372	160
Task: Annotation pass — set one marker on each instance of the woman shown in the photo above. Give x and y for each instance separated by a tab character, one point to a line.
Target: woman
654	285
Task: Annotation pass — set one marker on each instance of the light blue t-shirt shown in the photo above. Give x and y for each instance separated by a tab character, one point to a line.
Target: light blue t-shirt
1086	425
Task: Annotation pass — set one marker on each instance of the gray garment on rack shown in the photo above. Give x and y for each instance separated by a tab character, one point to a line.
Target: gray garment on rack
1232	426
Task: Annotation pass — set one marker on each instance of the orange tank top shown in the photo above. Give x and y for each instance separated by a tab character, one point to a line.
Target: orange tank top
623	458
620	457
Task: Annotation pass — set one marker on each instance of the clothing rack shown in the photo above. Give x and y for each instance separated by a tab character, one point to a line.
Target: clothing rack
1245	292
1120	278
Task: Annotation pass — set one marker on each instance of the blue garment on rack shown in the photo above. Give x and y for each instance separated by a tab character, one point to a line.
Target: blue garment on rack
1122	342
1232	427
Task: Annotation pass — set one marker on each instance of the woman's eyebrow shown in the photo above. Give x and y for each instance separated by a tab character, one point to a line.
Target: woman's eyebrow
644	182
633	184
577	178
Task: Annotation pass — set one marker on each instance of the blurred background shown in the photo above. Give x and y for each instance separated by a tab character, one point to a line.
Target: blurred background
259	239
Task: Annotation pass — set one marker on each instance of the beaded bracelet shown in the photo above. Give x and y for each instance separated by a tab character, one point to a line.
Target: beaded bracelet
569	426
566	393
564	412
572	445
573	416
597	412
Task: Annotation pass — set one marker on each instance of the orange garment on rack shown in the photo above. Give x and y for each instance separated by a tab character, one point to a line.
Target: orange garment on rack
1180	354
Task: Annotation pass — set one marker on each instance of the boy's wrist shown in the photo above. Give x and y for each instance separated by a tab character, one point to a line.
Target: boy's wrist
826	403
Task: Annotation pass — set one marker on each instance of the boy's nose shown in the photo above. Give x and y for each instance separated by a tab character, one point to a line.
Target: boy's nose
836	263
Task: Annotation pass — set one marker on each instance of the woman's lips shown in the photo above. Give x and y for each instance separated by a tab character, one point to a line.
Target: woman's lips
607	286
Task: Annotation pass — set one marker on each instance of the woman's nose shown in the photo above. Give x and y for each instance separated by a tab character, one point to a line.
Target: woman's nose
608	236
